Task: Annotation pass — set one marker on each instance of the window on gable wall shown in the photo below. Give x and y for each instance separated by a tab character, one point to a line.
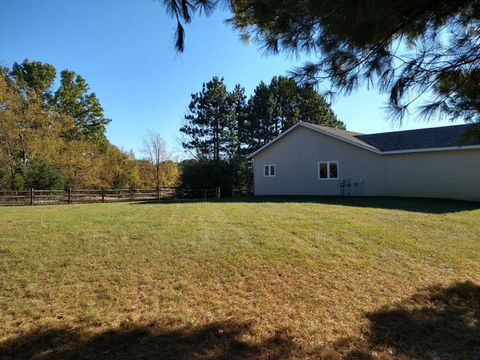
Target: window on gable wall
328	170
269	170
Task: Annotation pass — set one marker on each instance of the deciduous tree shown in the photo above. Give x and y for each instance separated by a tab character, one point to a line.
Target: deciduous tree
73	98
169	174
155	151
118	169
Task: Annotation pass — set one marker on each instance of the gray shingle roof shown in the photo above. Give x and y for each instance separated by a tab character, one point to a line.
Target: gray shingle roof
439	137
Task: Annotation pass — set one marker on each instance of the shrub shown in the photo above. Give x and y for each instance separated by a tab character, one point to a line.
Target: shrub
42	175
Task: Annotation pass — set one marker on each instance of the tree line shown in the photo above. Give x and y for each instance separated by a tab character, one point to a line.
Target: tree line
53	137
222	127
53	133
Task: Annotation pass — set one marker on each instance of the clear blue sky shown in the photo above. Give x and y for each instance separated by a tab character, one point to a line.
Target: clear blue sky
124	49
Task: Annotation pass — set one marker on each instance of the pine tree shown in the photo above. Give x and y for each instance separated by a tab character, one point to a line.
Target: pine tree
287	98
274	108
210	123
239	123
262	125
423	52
313	108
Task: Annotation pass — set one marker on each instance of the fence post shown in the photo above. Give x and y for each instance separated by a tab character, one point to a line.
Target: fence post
103	195
158	193
204	193
31	196
217	191
69	194
181	193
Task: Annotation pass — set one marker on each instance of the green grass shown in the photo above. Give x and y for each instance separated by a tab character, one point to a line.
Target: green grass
273	278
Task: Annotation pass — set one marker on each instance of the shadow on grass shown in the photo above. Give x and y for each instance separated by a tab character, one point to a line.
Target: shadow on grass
423	205
214	341
437	323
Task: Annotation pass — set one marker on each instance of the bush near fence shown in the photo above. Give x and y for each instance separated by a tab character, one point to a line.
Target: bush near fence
75	196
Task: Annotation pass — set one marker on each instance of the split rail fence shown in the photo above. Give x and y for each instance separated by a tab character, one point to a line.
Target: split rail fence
76	196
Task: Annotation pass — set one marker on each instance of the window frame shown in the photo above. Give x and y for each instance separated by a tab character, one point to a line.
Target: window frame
328	170
269	170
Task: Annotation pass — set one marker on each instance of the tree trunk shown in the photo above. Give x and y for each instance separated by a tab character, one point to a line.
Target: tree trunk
157	174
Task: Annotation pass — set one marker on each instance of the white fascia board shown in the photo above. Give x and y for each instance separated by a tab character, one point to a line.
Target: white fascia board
449	148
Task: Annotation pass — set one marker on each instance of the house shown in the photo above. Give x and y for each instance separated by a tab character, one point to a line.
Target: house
310	159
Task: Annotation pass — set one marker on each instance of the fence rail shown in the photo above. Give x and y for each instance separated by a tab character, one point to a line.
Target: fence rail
75	196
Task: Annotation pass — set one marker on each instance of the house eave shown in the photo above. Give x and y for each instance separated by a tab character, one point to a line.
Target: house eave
447	148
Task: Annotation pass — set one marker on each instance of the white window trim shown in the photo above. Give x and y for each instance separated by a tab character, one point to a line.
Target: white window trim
328	170
269	173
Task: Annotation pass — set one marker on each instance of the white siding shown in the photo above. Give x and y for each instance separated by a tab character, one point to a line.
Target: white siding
440	174
296	157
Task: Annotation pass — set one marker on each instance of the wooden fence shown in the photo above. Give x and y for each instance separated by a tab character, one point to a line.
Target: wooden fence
75	196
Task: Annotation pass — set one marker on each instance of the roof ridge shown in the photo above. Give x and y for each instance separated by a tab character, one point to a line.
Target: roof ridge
334	128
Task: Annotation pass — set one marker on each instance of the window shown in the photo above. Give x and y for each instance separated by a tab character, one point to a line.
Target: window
269	170
333	170
328	170
323	170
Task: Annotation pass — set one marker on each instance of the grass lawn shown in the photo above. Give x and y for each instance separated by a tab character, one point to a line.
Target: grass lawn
261	278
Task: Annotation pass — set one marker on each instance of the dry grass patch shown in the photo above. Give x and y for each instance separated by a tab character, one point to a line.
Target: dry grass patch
272	278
